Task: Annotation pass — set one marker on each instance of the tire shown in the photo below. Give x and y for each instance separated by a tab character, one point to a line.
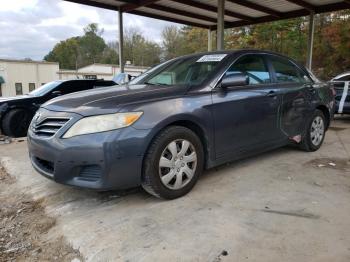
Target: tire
179	170
16	123
309	143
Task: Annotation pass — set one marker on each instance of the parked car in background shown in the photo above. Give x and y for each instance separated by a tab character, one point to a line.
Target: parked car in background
122	78
180	117
341	85
17	112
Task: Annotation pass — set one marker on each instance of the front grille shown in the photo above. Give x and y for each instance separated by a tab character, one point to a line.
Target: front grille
49	126
90	173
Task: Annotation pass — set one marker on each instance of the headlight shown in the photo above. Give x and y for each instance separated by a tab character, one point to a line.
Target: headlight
102	123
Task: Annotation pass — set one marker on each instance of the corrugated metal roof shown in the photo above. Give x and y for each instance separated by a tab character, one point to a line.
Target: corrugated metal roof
203	13
278	5
171	15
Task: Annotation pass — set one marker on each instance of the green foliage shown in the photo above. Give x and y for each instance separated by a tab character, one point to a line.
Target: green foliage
91	48
91	45
285	36
182	41
173	42
79	51
331	53
66	53
138	50
331	45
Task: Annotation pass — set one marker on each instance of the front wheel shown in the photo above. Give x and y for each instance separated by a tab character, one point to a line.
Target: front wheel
315	132
16	123
173	163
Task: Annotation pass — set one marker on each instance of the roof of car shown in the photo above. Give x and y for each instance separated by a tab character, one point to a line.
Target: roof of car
78	80
242	52
233	51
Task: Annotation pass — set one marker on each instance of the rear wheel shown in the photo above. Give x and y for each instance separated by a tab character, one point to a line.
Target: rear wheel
16	122
315	132
173	163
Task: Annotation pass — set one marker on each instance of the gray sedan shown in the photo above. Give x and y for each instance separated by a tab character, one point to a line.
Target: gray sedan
183	116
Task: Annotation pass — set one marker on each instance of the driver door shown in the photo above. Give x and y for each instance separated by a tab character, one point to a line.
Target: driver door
246	117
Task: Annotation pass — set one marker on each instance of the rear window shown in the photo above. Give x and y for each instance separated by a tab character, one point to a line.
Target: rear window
287	72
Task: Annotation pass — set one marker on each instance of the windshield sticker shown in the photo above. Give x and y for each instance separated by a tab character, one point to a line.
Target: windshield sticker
211	58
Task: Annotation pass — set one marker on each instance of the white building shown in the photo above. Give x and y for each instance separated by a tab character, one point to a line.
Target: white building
99	71
19	77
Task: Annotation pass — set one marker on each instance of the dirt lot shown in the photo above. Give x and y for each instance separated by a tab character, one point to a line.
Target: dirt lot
24	226
286	205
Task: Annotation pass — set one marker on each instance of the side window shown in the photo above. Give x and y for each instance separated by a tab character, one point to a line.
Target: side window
304	78
254	67
286	72
19	90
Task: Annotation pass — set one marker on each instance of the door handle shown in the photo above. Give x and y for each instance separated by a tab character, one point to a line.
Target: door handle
271	94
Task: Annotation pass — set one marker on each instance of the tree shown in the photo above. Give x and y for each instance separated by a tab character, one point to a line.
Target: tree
66	53
91	45
138	50
173	42
195	39
110	54
75	52
91	48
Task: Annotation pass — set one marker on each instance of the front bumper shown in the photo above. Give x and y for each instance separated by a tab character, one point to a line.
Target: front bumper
103	161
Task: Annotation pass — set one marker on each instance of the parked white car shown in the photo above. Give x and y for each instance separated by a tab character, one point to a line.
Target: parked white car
341	85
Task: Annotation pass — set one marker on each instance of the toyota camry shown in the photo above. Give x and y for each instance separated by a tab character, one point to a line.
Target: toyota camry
162	129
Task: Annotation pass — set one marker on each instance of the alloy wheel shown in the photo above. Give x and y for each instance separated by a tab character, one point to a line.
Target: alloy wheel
317	131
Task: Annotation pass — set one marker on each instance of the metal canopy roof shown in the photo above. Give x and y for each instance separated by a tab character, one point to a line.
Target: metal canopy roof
203	13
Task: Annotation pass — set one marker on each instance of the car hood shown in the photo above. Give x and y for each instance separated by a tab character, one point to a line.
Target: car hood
7	99
110	99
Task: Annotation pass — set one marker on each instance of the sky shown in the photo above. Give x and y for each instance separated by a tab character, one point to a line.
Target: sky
31	28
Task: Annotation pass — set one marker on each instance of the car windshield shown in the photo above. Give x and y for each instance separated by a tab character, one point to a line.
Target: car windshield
188	71
44	89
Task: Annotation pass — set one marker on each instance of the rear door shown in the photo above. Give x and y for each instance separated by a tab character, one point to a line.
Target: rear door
297	91
245	117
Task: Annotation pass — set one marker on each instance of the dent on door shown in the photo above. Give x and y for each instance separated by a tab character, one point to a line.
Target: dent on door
294	111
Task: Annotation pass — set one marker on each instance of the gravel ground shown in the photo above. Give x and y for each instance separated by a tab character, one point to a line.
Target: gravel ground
24	226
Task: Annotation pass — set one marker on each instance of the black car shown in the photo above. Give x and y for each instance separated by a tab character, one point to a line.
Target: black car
341	84
188	114
17	112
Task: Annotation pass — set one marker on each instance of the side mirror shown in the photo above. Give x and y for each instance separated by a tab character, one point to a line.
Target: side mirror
232	80
56	93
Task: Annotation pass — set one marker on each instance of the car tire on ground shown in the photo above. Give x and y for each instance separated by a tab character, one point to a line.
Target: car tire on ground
16	122
173	163
315	132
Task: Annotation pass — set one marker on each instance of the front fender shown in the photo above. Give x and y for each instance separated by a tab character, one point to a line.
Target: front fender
184	110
